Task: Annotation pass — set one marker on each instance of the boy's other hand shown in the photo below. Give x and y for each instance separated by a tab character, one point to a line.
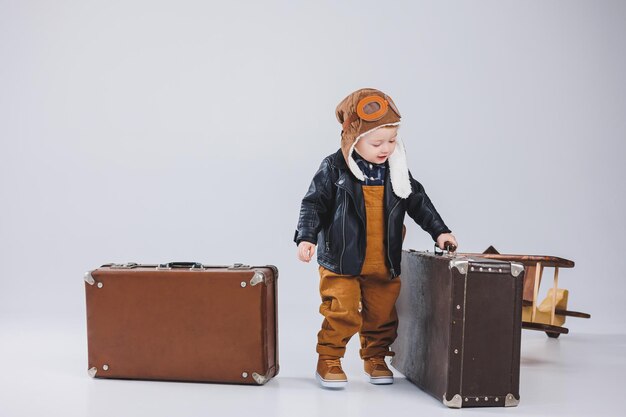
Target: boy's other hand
306	250
446	237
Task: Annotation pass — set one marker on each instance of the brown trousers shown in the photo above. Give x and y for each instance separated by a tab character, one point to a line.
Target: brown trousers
363	303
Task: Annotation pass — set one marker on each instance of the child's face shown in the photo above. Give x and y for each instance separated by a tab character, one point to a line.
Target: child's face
377	146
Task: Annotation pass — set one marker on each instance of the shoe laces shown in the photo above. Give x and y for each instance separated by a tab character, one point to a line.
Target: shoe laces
378	360
331	363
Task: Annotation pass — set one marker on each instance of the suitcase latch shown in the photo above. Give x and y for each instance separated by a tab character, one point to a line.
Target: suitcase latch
127	265
239	266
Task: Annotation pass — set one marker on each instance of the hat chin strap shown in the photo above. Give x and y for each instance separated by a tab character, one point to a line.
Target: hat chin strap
398	169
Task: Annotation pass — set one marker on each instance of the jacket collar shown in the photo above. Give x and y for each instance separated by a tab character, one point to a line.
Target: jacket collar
339	161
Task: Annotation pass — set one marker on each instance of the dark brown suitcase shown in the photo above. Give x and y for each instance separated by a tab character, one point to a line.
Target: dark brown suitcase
460	328
183	321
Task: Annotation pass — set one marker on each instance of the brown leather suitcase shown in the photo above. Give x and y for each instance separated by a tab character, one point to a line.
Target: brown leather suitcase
183	321
459	328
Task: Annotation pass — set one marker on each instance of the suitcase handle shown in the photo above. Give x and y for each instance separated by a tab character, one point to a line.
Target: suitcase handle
181	265
448	247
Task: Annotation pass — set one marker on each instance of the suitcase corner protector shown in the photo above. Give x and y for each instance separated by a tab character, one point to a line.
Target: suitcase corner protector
516	269
460	264
257	278
511	401
92	371
259	379
89	278
455	402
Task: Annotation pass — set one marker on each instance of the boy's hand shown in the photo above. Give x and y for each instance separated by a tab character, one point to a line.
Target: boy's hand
446	237
306	250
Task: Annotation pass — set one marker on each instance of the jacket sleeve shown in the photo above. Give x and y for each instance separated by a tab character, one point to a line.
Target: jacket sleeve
422	210
316	205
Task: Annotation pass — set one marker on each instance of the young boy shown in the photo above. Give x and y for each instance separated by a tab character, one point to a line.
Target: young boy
354	212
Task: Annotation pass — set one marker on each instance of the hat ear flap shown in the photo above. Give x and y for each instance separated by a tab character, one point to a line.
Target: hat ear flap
339	114
340	110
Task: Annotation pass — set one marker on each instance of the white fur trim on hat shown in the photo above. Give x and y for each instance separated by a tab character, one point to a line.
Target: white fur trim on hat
398	168
399	171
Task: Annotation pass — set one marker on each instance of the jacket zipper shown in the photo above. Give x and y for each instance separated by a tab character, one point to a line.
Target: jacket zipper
343	233
393	272
346	191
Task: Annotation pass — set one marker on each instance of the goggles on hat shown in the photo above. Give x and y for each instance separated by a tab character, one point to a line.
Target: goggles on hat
370	109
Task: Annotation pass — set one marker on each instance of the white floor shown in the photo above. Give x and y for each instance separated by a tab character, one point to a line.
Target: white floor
43	372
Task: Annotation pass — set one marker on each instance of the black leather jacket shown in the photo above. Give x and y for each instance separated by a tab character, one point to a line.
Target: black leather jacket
332	216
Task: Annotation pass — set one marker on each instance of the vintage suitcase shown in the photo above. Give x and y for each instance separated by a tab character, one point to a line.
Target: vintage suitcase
459	328
183	321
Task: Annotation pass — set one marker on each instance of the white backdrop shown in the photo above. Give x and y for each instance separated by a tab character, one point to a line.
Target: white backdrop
154	131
